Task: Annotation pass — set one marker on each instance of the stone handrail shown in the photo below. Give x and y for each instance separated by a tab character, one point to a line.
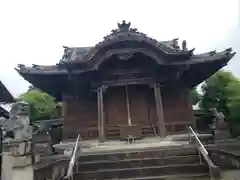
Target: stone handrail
214	170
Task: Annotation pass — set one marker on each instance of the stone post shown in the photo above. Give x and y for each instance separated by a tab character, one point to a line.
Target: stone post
19	150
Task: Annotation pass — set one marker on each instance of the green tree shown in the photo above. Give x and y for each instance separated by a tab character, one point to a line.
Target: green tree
195	96
43	106
222	91
216	92
234	108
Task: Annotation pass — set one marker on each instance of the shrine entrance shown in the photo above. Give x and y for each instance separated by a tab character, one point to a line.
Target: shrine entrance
130	108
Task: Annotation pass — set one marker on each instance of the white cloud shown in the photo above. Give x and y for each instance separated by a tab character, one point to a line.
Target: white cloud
33	32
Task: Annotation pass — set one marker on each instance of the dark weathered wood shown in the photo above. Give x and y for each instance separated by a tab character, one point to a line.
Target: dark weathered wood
133	130
5	95
100	114
159	107
81	114
80	117
122	82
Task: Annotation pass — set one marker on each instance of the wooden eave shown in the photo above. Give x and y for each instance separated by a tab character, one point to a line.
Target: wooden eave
205	58
4	113
54	80
5	95
51	83
198	72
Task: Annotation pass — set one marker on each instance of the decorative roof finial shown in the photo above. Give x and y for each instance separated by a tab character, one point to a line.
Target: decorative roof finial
184	46
66	53
175	43
20	66
123	27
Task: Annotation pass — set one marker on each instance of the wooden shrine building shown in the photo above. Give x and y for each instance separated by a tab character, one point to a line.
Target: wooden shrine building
128	84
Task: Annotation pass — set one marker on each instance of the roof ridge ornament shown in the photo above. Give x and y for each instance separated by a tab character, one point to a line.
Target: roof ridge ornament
228	49
175	43
124	27
211	53
66	54
184	45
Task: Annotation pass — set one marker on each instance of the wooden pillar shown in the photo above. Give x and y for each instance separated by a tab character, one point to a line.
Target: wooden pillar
159	108
100	114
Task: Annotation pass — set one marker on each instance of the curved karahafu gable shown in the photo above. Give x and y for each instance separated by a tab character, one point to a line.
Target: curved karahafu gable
126	38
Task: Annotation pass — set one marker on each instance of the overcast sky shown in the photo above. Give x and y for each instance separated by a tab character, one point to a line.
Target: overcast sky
33	31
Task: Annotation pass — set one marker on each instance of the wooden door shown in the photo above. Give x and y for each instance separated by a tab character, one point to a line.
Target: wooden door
139	105
143	109
116	106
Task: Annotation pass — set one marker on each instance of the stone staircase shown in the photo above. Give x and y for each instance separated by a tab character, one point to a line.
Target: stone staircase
166	163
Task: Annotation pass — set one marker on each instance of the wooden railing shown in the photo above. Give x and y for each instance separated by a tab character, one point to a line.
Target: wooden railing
213	169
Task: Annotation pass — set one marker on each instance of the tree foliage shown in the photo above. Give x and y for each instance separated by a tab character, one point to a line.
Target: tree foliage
222	91
233	103
43	106
216	92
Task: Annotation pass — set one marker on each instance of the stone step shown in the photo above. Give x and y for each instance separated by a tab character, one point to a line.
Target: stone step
230	146
199	176
224	159
147	153
137	162
142	172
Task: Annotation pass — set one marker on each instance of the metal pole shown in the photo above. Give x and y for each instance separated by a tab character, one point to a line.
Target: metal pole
159	108
128	107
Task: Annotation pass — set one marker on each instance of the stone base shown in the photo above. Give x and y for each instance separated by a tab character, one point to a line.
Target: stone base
7	166
22	161
221	135
16	168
